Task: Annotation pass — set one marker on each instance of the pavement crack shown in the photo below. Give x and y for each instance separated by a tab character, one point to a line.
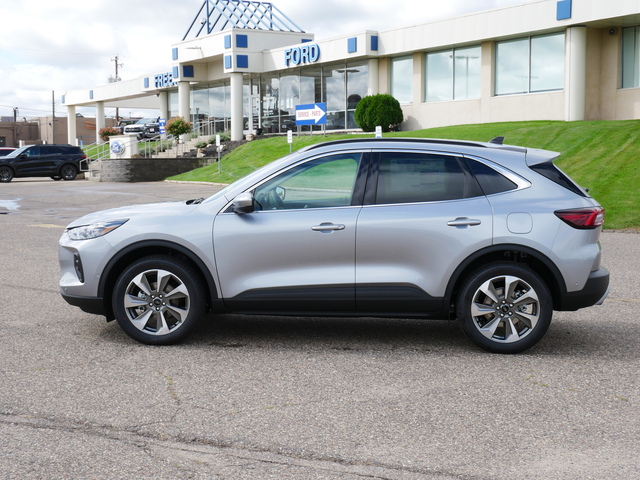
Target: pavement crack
227	453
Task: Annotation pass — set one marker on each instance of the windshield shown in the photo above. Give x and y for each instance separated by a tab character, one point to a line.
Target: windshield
17	152
143	121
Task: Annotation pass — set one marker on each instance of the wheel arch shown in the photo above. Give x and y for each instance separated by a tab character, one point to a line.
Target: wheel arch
69	163
147	248
538	262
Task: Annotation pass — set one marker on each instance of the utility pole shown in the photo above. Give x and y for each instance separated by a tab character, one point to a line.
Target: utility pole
15	126
117	79
53	119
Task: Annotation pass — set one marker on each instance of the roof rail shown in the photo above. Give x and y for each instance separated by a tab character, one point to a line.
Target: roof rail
439	141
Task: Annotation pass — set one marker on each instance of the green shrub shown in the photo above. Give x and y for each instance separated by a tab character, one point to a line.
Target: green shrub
224	137
378	110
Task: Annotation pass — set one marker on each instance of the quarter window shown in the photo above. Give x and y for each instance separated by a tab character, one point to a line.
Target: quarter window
320	183
490	181
417	177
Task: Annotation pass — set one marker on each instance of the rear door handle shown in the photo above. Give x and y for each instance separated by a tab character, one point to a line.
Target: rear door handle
327	227
463	222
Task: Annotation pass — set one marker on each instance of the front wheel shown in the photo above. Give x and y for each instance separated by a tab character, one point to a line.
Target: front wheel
504	308
6	174
158	300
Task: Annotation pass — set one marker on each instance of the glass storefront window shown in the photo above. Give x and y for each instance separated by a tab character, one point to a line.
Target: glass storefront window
452	74
512	66
220	107
288	99
402	79
547	63
335	97
200	105
270	90
533	64
439	76
174	107
466	72
341	87
357	88
630	57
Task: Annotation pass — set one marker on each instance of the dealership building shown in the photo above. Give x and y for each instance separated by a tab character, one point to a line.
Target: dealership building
246	66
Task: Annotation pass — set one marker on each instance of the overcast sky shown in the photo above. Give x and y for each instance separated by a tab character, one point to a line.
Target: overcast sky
56	46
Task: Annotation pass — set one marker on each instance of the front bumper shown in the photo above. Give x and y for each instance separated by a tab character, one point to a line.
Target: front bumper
594	292
94	305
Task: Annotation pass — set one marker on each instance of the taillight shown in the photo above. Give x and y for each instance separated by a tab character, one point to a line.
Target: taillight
582	218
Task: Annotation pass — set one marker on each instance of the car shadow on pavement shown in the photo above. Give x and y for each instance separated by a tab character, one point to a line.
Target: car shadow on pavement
319	333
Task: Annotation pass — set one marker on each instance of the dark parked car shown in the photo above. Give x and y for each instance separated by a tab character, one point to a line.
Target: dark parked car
494	235
55	161
4	151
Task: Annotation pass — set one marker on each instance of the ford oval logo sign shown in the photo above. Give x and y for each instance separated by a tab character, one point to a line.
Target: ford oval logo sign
118	147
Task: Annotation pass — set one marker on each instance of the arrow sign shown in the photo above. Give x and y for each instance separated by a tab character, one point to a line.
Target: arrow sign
312	114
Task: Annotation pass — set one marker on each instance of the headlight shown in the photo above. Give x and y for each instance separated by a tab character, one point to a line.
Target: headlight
85	232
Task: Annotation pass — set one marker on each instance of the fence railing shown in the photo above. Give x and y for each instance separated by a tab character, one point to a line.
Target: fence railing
206	128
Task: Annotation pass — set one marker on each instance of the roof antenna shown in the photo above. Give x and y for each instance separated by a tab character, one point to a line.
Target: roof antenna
497	140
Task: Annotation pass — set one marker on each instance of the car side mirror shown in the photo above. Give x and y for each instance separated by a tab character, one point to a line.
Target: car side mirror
243	203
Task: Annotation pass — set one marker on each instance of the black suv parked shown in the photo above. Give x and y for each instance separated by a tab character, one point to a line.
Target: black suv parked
55	161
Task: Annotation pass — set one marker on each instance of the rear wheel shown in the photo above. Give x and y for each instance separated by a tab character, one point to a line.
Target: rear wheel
6	174
159	300
504	308
68	172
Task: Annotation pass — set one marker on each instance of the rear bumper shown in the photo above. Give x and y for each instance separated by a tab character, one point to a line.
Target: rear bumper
594	292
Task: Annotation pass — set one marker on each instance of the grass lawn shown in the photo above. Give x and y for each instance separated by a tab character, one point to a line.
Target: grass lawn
603	156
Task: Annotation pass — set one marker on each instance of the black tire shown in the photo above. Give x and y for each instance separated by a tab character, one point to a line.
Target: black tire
6	174
56	178
68	172
159	300
504	308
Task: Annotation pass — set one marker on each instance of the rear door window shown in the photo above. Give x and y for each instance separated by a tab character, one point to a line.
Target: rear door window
408	177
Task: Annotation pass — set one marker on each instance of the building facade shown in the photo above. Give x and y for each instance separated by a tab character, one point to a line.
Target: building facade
540	60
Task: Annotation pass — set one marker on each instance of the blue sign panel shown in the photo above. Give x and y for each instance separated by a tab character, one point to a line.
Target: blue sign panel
162	125
563	11
312	114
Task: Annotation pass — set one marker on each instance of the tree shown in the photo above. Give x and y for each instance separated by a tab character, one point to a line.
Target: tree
178	126
378	110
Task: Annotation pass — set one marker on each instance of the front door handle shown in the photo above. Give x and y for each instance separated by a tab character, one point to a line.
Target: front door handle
463	222
327	227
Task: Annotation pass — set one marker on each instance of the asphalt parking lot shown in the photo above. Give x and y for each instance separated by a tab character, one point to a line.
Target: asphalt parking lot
274	398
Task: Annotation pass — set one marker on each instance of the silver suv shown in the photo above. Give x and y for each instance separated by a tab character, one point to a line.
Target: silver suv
493	235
